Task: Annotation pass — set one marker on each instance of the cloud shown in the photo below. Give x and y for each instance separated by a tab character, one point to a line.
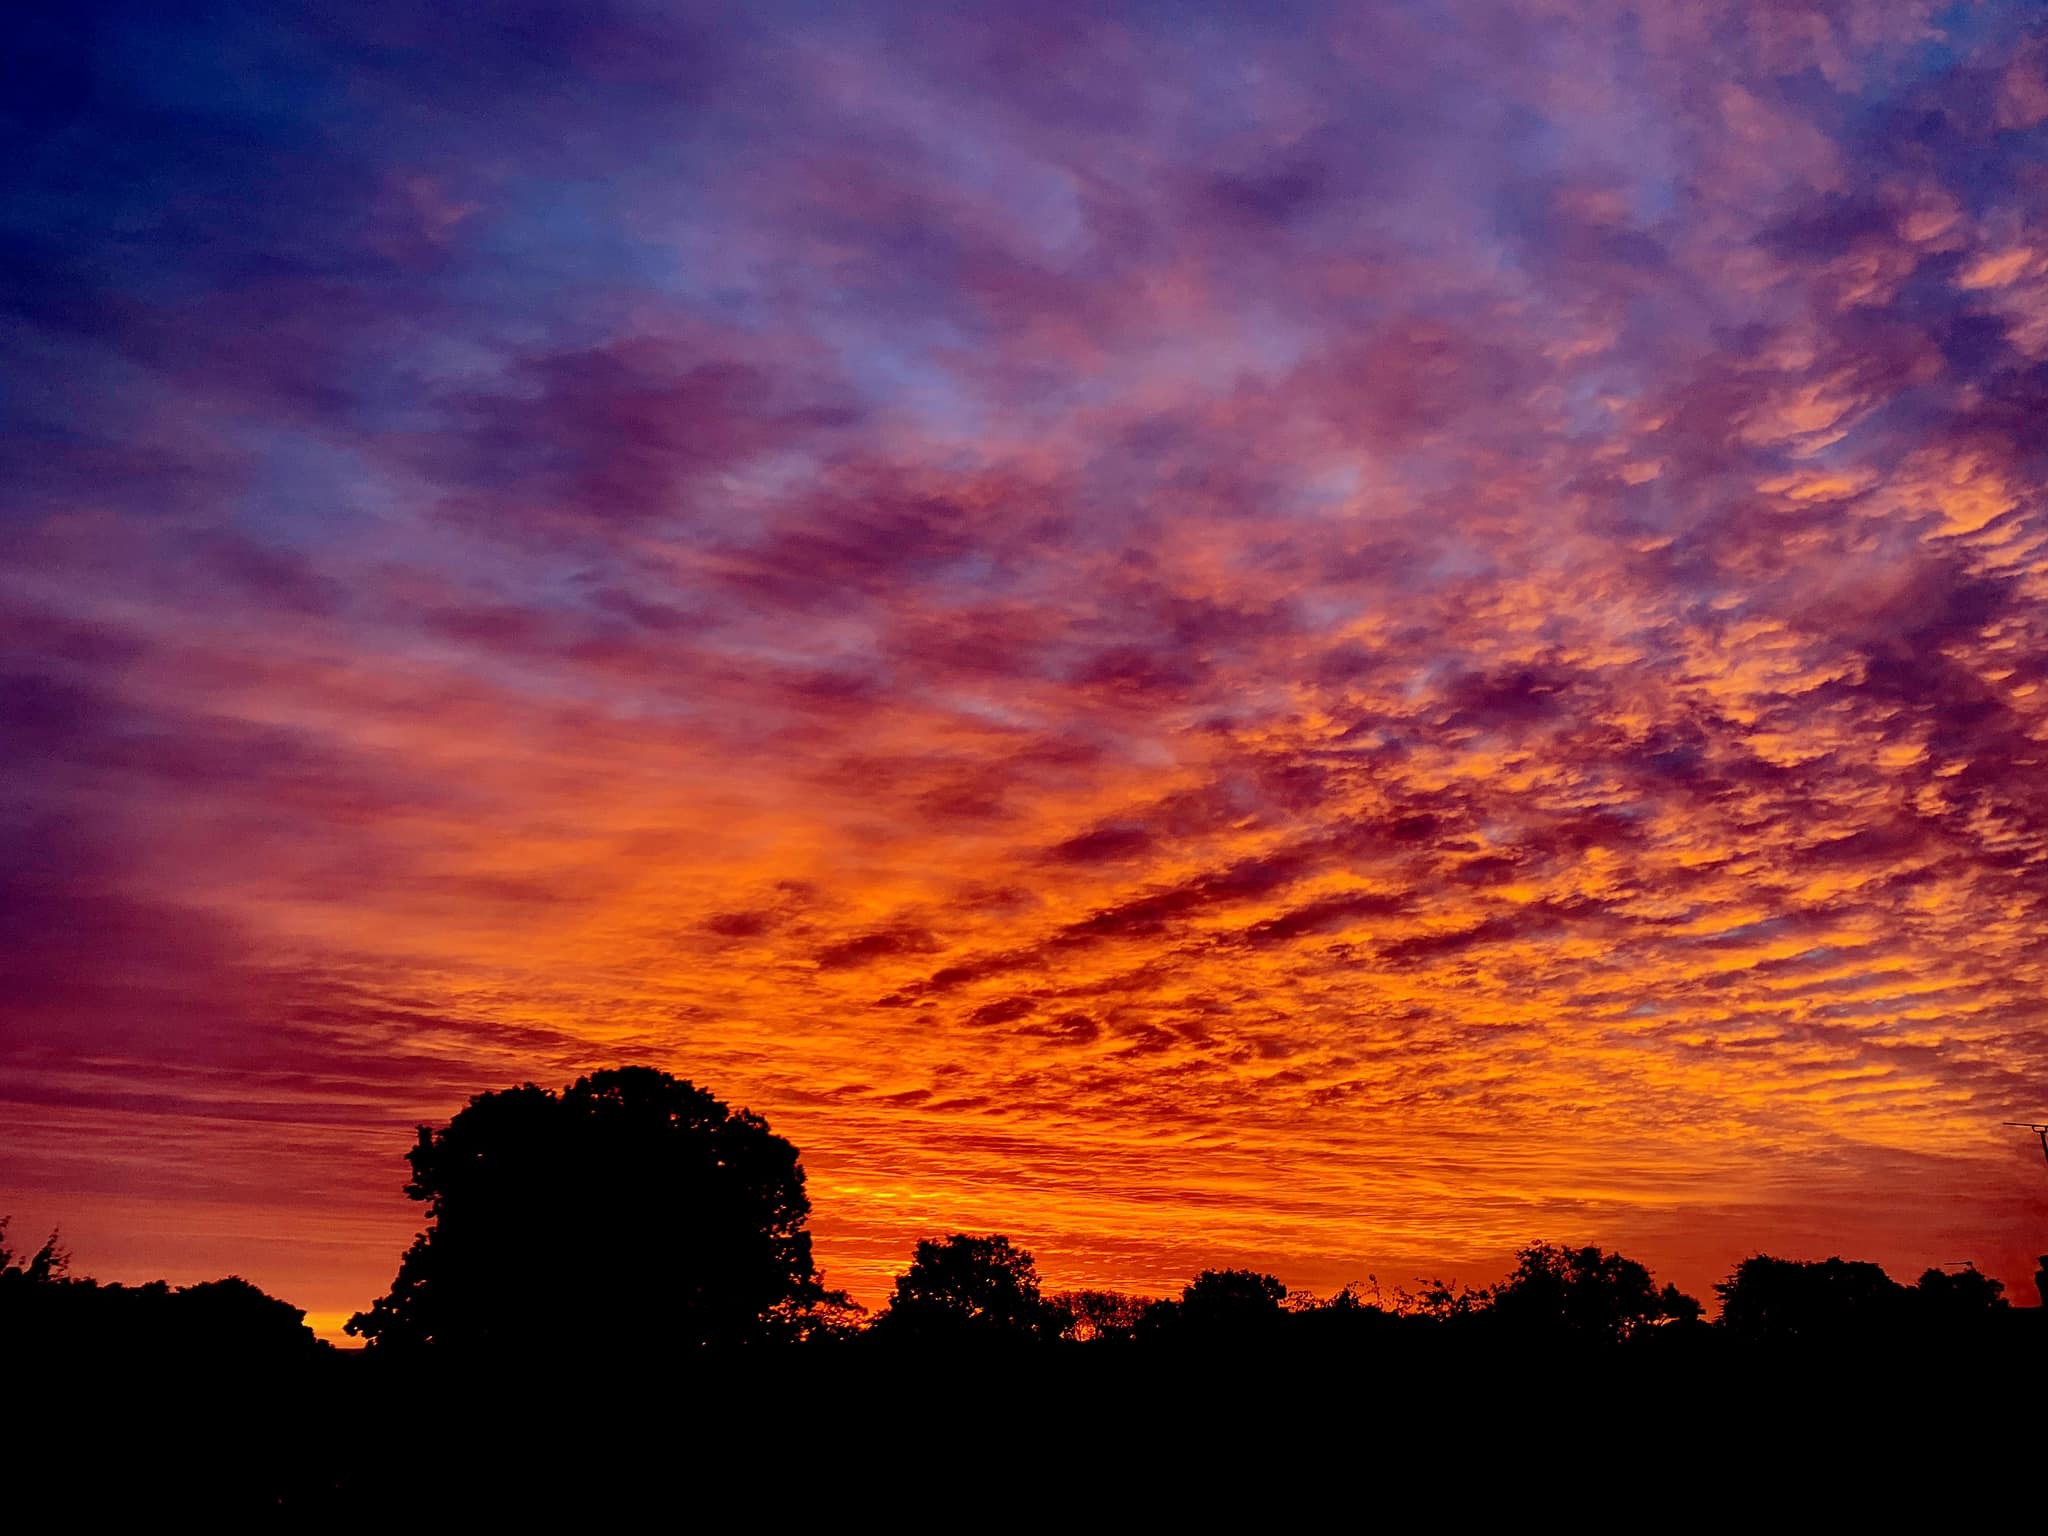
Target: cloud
1172	635
884	944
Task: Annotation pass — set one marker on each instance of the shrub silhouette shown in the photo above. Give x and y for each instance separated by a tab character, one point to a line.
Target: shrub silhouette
632	1209
1442	1301
1350	1318
969	1289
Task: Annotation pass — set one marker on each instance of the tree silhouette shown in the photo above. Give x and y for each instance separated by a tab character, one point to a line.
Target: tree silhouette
1583	1293
232	1318
1350	1318
1231	1301
1679	1308
1090	1317
46	1266
1220	1306
1830	1300
632	1209
963	1289
1946	1300
1442	1301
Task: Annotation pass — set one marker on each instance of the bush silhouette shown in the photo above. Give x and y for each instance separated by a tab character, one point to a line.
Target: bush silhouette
630	1210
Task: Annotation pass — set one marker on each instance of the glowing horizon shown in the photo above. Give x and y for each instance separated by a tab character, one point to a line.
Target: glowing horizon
1325	641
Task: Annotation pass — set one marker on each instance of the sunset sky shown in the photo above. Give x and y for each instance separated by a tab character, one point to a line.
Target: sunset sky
1334	637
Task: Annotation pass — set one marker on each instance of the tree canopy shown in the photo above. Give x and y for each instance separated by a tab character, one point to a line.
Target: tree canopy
1585	1293
969	1288
631	1209
1962	1297
1089	1317
1222	1305
1832	1301
1779	1300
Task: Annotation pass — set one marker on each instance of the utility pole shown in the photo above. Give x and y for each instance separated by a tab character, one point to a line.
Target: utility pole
2039	1130
2040	1275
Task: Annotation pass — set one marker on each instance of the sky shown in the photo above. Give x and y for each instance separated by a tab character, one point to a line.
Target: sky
1328	637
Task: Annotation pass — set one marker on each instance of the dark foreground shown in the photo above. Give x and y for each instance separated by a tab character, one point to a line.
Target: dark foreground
1008	1439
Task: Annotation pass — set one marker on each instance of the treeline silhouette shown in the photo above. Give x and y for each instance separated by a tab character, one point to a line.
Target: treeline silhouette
694	1219
633	1239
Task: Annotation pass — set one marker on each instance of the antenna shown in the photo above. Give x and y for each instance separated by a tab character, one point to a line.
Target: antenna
2030	1125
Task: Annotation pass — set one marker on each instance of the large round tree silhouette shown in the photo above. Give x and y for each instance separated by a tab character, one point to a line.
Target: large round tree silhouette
631	1210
